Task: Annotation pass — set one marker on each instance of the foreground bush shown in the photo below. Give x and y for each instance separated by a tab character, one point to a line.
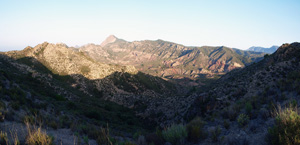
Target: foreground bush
287	127
3	138
37	137
194	129
104	137
175	134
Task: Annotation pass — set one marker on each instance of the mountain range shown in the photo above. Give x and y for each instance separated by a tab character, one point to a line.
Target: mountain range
262	49
135	87
170	60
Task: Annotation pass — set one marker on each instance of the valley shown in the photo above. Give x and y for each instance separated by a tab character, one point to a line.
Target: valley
136	88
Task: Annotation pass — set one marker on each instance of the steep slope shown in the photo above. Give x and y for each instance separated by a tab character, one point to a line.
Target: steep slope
252	91
33	93
123	85
171	60
262	49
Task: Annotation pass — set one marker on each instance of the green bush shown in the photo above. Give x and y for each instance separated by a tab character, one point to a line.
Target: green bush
175	134
243	119
286	130
195	130
2	105
3	138
85	70
215	133
86	139
248	108
226	124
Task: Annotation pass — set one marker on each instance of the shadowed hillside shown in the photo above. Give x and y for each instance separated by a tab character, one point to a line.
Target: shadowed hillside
242	102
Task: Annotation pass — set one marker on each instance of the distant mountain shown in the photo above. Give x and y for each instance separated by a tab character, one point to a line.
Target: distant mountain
262	49
171	60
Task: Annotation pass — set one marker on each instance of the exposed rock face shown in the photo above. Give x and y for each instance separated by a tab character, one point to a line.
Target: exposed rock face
171	60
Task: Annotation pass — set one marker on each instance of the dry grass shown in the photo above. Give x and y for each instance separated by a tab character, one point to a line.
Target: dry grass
36	136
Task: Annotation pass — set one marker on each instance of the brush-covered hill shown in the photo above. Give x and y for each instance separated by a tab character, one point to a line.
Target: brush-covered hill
241	103
171	60
123	85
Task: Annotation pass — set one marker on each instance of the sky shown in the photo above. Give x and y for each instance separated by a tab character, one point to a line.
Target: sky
232	23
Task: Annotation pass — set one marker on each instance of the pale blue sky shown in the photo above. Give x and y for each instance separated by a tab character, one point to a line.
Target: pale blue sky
239	24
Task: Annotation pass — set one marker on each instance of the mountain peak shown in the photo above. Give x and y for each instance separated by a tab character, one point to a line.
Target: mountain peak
109	39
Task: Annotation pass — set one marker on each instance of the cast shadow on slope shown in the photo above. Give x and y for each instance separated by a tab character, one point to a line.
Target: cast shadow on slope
65	97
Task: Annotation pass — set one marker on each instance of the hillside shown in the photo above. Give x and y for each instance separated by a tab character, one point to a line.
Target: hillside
170	60
71	93
33	94
123	85
254	91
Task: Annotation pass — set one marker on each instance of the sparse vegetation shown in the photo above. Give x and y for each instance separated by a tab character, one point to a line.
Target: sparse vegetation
195	130
104	137
85	70
243	119
286	130
36	136
215	133
175	134
248	108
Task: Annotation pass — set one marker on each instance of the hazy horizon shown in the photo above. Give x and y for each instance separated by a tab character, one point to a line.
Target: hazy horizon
235	24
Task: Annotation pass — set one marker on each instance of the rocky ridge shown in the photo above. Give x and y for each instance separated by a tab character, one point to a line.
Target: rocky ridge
171	60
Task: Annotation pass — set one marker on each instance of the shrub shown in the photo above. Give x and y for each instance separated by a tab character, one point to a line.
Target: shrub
286	130
215	132
226	124
3	138
243	119
194	129
175	134
86	139
264	113
230	140
230	113
37	137
103	137
141	140
154	139
248	108
53	124
85	70
2	105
